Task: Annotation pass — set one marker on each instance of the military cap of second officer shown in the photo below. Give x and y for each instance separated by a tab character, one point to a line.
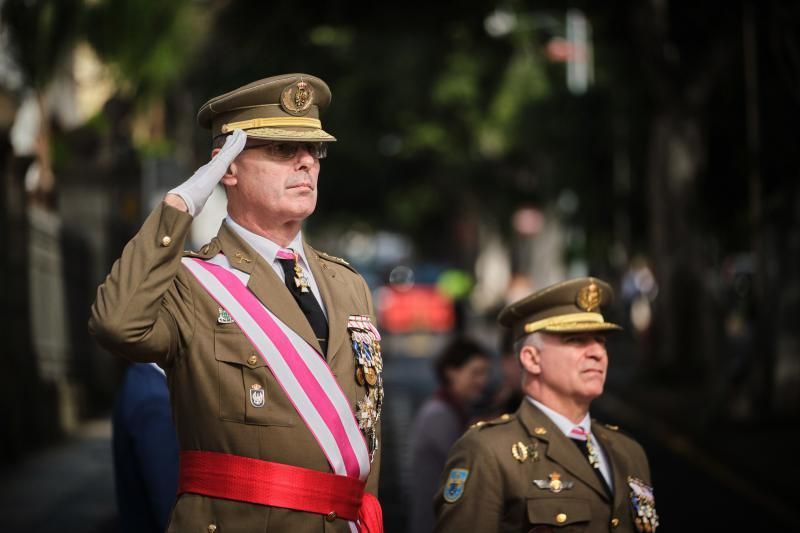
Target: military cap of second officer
571	306
279	108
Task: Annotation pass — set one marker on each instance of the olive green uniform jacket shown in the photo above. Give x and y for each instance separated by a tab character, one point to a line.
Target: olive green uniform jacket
151	308
500	494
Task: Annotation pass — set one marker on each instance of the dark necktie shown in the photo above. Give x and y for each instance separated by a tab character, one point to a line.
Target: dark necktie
297	284
583	441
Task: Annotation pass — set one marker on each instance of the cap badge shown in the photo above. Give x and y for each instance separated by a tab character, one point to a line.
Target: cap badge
297	98
589	297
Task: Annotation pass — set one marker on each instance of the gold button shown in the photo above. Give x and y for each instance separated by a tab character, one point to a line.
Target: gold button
252	360
561	518
614	522
166	240
330	517
212	528
505	416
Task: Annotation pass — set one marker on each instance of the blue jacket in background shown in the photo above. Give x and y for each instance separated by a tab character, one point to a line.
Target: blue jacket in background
145	450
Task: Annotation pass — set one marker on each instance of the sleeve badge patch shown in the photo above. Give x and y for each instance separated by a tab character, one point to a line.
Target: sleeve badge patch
454	488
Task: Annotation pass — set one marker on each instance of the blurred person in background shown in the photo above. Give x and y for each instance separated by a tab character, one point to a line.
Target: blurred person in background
550	466
462	372
145	450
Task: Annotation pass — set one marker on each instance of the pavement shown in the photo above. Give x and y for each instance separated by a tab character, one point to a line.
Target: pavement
65	488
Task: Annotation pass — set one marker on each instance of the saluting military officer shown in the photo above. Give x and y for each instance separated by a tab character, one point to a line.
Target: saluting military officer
550	466
270	346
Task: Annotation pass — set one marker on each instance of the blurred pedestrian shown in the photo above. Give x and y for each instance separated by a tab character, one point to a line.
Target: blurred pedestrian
270	346
145	450
462	371
550	465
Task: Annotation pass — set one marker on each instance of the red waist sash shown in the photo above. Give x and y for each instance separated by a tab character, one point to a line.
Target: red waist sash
232	477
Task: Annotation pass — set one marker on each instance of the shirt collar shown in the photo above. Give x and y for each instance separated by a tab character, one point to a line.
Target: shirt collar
562	422
267	248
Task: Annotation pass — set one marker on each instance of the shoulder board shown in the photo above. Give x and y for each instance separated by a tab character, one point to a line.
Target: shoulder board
206	252
337	260
504	419
614	428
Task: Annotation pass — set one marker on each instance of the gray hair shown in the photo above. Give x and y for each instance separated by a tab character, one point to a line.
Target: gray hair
533	339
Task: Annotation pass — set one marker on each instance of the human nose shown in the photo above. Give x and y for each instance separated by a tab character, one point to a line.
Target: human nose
596	350
304	158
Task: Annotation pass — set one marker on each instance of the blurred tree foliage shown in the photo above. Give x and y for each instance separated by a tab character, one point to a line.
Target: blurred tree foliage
149	44
433	115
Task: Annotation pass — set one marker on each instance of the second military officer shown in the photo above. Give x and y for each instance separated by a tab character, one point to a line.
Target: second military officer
549	466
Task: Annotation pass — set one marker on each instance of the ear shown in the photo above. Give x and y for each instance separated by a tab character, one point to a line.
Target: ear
530	359
229	178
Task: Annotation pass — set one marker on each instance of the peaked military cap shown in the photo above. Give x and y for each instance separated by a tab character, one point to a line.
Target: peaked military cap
568	307
282	108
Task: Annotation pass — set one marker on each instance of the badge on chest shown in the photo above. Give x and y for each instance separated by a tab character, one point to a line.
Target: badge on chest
257	395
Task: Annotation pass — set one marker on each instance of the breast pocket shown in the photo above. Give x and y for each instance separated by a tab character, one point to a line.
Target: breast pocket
558	514
248	392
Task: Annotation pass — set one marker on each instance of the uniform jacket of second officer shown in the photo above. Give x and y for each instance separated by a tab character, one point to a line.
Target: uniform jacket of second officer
501	493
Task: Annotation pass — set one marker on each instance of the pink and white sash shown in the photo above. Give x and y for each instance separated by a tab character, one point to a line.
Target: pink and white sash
297	366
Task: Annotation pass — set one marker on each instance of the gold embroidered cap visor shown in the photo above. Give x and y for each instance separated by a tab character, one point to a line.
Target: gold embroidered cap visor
572	306
279	108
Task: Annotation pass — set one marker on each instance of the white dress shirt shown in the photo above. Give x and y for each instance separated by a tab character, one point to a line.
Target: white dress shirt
269	251
565	425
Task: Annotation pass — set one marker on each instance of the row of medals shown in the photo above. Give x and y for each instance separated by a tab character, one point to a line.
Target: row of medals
369	373
644	504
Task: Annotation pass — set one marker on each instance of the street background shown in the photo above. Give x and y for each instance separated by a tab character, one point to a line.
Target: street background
485	149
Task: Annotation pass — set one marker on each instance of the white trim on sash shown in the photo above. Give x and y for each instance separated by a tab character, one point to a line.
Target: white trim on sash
297	366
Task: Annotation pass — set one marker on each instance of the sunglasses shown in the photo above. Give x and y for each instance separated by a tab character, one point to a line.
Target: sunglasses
285	151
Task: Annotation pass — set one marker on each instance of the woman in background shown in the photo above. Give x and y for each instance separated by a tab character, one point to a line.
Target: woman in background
462	371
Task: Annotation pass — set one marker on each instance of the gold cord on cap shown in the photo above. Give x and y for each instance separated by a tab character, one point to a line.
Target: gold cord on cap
303	122
573	318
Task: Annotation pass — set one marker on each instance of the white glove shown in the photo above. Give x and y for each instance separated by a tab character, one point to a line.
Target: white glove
196	190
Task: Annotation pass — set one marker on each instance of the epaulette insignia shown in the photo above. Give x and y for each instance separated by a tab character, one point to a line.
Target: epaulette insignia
494	422
503	419
334	258
206	251
612	427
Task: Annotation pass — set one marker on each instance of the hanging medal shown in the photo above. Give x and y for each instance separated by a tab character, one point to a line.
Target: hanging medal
365	340
300	279
644	505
